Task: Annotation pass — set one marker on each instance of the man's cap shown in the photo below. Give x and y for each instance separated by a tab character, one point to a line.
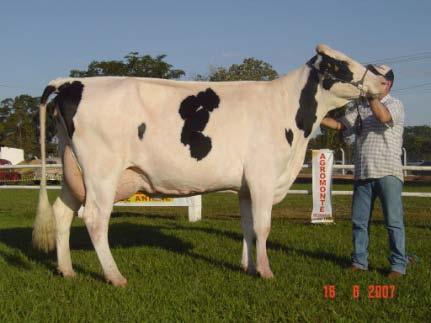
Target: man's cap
382	70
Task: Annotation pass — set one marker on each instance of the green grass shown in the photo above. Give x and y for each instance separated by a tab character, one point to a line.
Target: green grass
189	272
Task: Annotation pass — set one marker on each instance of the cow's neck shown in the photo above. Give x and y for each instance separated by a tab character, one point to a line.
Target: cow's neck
306	99
303	111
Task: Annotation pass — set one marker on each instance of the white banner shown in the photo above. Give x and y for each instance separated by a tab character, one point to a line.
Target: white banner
194	203
322	162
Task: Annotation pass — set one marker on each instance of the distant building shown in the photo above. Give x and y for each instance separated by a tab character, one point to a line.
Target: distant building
14	155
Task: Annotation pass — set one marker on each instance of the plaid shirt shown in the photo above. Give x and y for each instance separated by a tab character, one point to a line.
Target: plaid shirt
378	146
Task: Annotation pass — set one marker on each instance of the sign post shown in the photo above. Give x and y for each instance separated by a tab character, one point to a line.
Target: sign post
322	161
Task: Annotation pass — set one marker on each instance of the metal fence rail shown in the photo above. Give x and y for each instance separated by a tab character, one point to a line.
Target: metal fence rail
423	168
301	192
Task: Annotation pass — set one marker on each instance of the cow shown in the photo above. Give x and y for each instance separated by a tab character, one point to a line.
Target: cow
120	135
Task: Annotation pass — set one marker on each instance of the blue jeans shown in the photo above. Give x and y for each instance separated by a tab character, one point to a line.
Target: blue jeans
388	189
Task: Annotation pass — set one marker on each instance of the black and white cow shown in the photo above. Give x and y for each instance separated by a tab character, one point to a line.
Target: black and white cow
171	138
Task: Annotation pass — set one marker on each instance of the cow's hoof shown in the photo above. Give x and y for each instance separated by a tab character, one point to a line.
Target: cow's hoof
66	273
117	281
266	274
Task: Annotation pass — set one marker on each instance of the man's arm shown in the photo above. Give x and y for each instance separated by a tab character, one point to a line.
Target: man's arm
380	111
332	123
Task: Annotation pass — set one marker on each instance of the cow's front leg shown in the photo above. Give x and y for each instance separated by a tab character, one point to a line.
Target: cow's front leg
64	207
261	201
262	227
247	228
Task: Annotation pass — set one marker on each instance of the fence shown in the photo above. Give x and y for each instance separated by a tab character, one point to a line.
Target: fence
352	167
27	175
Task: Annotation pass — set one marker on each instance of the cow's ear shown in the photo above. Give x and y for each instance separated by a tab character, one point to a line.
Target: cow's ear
323	49
312	61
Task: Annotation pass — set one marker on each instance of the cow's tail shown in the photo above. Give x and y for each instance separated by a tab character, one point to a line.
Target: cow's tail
44	226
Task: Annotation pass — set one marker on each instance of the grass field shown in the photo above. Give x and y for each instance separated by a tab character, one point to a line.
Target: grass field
189	272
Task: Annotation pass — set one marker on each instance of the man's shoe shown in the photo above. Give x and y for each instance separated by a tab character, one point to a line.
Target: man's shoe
394	275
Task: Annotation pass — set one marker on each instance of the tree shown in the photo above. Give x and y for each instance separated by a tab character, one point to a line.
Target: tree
417	141
6	107
132	65
250	69
19	129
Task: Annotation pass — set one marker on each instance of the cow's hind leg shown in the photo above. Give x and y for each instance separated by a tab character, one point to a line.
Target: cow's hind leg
64	208
100	194
247	228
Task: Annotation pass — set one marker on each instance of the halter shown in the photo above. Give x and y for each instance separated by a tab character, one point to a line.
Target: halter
358	84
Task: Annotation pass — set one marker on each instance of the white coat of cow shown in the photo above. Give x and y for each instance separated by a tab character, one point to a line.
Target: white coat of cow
121	135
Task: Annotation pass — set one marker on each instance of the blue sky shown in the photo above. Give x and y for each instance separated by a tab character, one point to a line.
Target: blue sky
42	40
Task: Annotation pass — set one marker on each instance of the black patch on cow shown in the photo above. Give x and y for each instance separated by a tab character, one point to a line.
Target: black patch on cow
68	99
312	60
46	93
306	114
289	136
141	130
328	83
334	71
195	111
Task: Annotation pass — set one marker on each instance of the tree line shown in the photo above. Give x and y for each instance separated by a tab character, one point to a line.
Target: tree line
19	116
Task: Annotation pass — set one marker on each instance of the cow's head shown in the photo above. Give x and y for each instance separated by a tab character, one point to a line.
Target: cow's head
343	78
334	79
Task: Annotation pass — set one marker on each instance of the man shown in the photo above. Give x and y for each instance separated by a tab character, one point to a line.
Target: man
378	124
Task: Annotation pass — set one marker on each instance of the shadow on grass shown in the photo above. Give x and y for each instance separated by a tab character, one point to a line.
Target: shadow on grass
121	235
124	235
19	240
317	254
15	260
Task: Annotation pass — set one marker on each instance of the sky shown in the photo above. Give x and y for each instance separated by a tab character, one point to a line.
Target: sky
43	40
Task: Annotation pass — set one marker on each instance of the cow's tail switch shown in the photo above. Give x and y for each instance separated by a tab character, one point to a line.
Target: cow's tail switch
44	225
